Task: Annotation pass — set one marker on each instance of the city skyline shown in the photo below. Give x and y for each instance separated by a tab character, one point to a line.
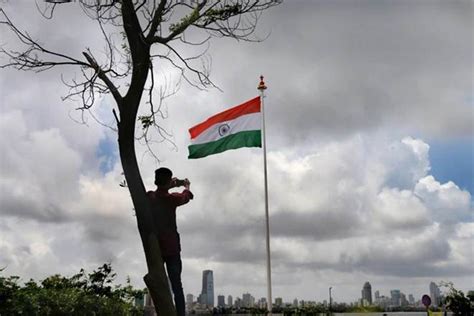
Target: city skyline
395	296
397	301
407	289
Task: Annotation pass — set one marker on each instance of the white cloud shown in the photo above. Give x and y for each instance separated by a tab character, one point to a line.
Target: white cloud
339	211
447	201
400	209
38	171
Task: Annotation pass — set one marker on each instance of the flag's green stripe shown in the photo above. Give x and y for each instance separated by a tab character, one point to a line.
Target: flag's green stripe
234	141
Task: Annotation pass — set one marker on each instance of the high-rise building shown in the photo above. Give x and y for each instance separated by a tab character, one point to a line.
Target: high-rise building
435	294
377	295
229	301
403	300
221	301
411	299
367	294
207	292
248	300
238	302
395	296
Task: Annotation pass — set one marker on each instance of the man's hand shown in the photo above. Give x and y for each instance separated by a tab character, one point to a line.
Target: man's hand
187	183
175	183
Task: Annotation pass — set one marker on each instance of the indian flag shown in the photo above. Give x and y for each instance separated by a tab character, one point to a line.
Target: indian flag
236	127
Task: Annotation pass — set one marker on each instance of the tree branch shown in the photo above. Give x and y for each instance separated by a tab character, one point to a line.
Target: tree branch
113	89
179	28
156	21
28	59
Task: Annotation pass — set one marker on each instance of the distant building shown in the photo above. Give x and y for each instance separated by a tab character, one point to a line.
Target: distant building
295	302
248	300
202	299
221	301
310	303
262	302
140	301
377	296
411	299
189	301
403	300
230	301
435	294
395	296
383	301
278	302
367	294
207	292
238	303
149	309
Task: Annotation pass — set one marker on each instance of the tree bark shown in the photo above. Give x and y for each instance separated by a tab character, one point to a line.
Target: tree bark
156	279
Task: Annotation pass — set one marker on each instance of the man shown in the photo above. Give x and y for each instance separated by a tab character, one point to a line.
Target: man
164	206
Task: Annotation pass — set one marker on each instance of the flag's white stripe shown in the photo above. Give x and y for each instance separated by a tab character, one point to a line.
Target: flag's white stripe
247	122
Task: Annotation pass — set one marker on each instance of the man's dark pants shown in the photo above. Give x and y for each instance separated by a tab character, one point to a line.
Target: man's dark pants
174	268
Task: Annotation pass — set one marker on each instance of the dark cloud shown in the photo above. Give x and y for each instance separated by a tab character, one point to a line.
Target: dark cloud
335	68
316	225
21	207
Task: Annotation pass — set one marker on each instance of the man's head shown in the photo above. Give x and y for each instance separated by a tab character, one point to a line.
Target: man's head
163	177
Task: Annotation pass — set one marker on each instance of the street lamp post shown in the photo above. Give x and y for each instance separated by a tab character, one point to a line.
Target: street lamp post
330	299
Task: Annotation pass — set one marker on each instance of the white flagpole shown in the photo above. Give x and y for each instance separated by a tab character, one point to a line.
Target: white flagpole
261	87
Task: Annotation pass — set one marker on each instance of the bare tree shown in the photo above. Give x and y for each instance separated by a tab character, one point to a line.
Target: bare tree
153	33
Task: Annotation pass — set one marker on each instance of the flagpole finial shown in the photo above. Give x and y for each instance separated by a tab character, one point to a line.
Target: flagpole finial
261	85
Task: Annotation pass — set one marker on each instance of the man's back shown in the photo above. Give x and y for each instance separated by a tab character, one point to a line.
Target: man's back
163	205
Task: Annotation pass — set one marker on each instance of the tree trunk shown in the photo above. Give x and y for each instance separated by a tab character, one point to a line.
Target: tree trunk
156	279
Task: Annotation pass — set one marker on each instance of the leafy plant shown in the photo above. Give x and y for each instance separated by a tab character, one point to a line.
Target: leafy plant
81	294
457	302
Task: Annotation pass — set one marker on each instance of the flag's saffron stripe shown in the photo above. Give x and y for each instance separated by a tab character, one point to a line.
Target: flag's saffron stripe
247	122
251	106
233	141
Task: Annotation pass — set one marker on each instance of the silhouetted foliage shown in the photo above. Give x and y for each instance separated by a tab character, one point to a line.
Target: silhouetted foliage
81	294
457	302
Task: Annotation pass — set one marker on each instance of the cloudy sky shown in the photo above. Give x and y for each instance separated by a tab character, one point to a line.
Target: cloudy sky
370	153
